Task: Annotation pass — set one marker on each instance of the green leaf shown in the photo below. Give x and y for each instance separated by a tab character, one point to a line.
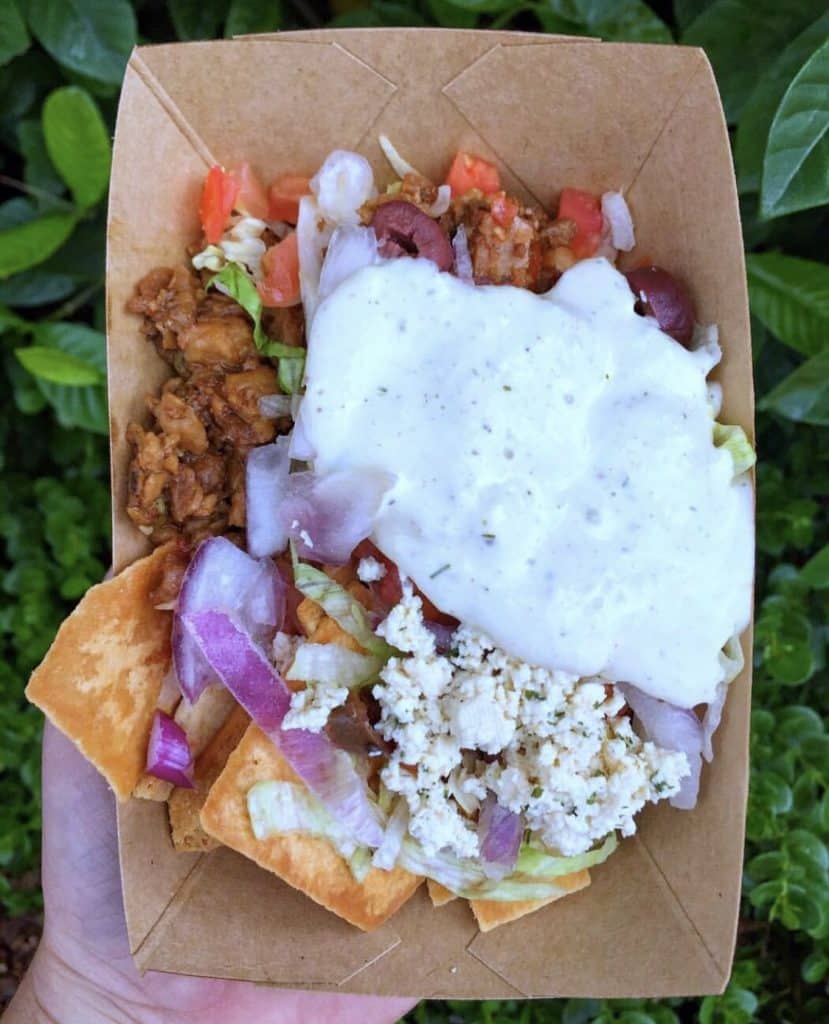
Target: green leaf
91	37
804	395
241	288
686	10
742	36
58	367
791	297
290	372
379	13
78	143
450	15
816	571
14	39
630	20
8	320
758	114
84	407
246	16
29	244
196	19
796	165
38	170
784	640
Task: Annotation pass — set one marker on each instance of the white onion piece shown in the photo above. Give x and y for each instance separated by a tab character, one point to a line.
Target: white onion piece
441	204
463	260
674	729
266	478
617	214
350	249
499	835
343	183
400	166
273	407
327	516
300	448
606	248
711	721
313	233
328	772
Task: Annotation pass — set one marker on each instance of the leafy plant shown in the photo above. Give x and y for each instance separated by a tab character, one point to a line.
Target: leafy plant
61	62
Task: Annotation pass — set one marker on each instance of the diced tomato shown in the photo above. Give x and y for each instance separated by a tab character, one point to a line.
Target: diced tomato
503	209
280	266
252	198
585	209
284	196
217	198
386	591
469	171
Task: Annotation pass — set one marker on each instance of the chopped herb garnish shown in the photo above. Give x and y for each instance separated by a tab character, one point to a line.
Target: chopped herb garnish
437	572
537	792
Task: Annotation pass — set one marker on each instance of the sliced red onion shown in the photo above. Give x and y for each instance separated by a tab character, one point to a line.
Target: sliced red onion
674	729
221	576
168	752
499	836
351	248
273	407
617	214
463	260
328	772
300	448
442	633
327	516
266	477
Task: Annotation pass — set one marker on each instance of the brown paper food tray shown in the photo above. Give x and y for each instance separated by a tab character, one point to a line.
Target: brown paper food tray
660	917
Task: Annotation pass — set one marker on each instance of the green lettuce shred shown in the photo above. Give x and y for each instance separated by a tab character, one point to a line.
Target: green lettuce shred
734	440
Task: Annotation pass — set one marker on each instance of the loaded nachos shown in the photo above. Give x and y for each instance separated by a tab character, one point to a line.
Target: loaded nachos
451	553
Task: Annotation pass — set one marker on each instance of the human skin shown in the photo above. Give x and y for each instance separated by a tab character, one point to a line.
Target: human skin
83	971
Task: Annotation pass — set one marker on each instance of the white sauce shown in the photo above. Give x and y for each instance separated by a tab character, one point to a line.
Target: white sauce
557	486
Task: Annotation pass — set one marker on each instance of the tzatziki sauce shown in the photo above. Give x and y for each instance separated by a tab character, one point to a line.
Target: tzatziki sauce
556	481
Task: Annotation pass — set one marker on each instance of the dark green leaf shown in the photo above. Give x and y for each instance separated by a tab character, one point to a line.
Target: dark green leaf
16	211
816	571
757	30
58	367
247	16
8	320
78	143
630	20
756	118
804	395
29	244
197	19
686	10
28	397
791	297
14	39
83	407
76	340
796	164
38	170
451	15
92	37
784	640
379	13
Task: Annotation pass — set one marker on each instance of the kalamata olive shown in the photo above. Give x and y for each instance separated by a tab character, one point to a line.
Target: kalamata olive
350	728
404	230
660	295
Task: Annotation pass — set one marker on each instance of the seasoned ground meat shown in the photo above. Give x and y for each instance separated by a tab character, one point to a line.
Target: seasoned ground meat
187	475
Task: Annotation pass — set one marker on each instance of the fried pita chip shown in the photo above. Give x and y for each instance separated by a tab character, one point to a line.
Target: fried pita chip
101	679
184	805
439	894
307	863
490	913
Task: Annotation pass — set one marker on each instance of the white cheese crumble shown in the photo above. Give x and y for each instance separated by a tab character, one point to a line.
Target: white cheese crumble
311	707
568	759
370	570
241	243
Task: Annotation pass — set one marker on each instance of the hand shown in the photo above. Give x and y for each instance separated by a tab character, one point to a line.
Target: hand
83	970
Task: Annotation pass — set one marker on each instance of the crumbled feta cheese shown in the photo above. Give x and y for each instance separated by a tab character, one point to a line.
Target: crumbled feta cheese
403	627
311	707
370	570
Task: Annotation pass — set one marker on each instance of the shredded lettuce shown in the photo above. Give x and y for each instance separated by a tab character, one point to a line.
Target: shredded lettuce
536	876
732	659
238	284
276	807
333	665
341	606
734	440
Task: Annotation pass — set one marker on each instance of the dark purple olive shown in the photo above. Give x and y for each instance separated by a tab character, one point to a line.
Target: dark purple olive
404	230
660	295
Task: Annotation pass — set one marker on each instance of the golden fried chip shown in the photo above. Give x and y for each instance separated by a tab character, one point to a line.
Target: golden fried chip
490	913
439	894
309	864
184	805
100	681
310	615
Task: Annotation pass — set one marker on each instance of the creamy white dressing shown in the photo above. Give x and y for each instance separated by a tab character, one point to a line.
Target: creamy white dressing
556	482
